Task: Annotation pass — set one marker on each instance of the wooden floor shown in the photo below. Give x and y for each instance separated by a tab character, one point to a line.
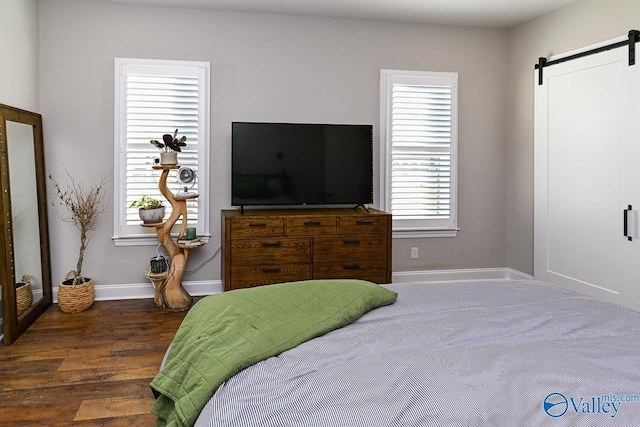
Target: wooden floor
86	369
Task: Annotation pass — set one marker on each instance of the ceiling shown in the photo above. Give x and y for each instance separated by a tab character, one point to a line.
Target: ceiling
481	13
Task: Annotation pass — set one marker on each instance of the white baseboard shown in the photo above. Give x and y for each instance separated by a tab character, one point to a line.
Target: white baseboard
146	290
210	287
461	274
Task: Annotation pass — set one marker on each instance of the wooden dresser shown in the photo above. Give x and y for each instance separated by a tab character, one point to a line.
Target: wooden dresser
272	246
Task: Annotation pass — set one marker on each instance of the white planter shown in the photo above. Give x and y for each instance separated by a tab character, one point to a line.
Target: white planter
151	216
169	158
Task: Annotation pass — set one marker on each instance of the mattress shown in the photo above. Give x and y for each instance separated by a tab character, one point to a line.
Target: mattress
474	353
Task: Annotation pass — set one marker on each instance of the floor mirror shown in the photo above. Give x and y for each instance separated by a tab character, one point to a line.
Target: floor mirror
25	273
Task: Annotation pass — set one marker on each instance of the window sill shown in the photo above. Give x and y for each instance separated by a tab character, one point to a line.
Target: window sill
401	233
144	240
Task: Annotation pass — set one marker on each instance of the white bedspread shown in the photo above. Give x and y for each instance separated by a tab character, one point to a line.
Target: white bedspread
483	353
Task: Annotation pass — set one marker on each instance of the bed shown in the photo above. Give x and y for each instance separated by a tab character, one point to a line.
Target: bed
469	353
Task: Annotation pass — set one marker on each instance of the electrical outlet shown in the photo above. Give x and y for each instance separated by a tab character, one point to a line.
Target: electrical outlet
414	253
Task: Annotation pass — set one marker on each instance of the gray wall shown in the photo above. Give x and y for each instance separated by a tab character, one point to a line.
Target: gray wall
268	68
582	23
19	70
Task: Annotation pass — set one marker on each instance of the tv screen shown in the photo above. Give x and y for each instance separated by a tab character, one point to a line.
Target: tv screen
301	164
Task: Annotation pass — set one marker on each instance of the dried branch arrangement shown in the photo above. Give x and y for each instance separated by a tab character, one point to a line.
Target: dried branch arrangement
84	204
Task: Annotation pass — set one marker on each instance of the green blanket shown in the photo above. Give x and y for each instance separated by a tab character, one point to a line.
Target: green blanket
224	333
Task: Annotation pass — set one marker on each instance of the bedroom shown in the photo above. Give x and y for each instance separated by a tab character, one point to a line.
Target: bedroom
495	101
69	79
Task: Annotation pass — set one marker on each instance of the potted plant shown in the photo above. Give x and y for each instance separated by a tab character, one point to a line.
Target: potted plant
170	147
85	205
151	210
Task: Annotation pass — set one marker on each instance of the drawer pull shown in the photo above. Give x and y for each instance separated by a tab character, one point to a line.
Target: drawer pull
271	270
364	222
271	244
351	266
351	242
257	224
312	223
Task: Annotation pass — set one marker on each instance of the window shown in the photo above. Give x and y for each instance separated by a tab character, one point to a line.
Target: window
418	124
153	98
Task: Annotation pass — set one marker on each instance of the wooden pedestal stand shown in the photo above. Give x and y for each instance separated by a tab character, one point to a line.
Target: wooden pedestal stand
170	295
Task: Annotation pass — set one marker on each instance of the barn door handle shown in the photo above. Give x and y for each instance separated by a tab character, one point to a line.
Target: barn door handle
625	220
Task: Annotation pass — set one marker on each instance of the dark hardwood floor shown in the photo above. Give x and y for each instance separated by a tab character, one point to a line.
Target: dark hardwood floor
86	369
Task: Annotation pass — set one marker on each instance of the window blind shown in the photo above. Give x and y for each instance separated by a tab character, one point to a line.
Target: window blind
156	105
152	98
421	159
418	124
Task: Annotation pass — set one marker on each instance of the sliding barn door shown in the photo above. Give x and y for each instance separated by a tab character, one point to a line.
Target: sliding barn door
587	177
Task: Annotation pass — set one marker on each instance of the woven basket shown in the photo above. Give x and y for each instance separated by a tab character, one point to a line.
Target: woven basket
24	294
75	295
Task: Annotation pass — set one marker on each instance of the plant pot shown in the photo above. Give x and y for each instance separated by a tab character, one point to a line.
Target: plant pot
152	216
169	158
24	294
75	295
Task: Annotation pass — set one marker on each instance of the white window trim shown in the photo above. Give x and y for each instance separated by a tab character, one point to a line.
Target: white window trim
421	77
147	236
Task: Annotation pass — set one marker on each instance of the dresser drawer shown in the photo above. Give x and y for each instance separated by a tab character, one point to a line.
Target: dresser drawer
365	224
349	248
312	226
269	250
374	271
254	275
256	227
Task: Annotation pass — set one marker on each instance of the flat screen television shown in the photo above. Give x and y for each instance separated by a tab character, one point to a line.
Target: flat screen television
301	164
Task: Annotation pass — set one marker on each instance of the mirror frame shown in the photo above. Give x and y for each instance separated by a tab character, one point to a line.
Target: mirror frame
14	326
